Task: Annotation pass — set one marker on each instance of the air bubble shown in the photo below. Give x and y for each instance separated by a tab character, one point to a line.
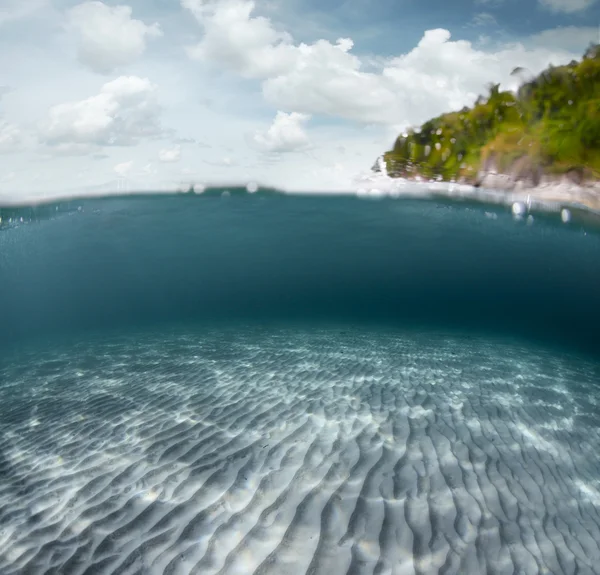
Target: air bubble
565	215
252	187
518	209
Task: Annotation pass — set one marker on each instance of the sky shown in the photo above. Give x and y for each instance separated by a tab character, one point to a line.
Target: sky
101	96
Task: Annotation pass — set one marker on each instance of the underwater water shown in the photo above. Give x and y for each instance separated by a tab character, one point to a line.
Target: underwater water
258	383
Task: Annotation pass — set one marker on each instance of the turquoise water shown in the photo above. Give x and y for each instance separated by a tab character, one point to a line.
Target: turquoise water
269	384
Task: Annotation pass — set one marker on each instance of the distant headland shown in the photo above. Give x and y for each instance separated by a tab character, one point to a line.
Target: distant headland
543	140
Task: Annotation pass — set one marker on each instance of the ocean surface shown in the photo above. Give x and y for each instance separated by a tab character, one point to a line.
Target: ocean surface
235	383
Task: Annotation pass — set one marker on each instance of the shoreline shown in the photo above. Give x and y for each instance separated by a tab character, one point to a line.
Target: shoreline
554	189
569	202
498	187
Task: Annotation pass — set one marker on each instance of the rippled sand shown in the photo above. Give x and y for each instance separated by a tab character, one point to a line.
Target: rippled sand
293	452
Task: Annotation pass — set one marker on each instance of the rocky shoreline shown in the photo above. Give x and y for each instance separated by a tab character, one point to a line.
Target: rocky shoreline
520	184
571	187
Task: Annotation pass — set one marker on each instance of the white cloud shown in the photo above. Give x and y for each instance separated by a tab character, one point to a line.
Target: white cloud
570	38
286	134
12	10
149	170
10	137
222	162
439	74
483	19
8	177
567	6
327	80
169	155
248	45
123	113
436	76
123	168
108	37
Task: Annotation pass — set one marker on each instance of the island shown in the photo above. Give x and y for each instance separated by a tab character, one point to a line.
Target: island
543	140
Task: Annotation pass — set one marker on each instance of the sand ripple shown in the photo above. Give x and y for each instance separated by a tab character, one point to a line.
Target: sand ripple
296	452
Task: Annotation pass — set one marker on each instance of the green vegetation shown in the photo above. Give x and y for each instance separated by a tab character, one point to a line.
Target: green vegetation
552	125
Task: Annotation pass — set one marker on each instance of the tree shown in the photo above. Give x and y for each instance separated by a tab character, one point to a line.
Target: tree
593	52
553	119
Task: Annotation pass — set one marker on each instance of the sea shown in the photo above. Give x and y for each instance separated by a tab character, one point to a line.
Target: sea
263	383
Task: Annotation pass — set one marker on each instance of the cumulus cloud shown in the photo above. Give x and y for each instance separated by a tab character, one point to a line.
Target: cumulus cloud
123	168
436	76
108	37
250	46
439	74
123	113
567	6
170	155
286	134
10	137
